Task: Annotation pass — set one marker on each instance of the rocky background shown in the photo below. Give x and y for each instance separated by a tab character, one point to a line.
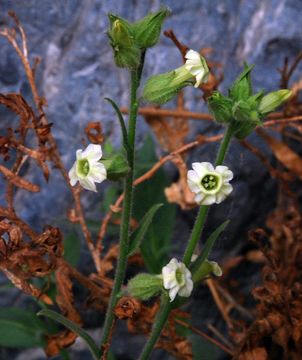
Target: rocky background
77	71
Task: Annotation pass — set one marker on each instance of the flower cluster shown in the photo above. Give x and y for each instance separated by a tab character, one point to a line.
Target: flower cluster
210	185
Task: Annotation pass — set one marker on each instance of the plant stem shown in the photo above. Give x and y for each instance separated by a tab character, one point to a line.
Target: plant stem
127	209
159	323
166	307
203	210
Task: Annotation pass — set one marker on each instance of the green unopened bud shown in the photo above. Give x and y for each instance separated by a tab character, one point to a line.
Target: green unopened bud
272	100
206	269
116	166
144	286
147	30
163	87
126	52
221	107
242	87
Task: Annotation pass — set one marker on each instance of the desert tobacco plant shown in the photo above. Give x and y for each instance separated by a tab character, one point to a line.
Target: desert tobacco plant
169	283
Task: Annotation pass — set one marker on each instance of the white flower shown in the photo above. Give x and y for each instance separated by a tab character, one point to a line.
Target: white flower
87	169
210	185
197	66
177	279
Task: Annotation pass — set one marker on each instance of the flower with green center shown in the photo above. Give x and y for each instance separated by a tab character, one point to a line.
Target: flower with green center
177	279
87	169
210	185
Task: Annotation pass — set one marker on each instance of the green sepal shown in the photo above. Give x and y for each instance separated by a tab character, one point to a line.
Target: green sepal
206	269
272	100
208	247
221	107
144	286
116	165
126	52
242	87
147	30
161	88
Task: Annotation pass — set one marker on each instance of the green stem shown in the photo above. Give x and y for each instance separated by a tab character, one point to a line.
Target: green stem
166	307
159	323
127	210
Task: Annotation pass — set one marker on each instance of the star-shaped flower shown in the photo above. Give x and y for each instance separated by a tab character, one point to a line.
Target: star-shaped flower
177	279
211	185
87	169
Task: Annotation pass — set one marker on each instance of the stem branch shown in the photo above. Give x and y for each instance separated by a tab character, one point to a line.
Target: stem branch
166	307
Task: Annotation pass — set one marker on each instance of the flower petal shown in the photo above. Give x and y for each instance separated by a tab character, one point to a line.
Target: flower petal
93	152
173	292
202	168
226	174
220	197
88	183
73	179
199	197
209	200
226	189
192	55
98	172
186	290
79	154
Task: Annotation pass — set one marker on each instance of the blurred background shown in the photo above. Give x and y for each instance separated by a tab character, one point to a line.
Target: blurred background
75	74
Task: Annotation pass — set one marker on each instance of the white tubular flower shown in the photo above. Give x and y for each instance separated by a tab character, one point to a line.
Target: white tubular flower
197	66
87	169
177	279
210	185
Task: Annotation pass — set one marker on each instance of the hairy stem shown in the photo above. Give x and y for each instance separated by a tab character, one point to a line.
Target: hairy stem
166	307
127	209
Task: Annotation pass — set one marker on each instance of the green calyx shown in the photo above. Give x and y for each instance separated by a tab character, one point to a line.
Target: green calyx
116	165
147	30
128	40
206	269
242	109
144	286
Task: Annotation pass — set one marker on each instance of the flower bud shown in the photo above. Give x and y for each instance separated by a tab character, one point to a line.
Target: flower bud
116	166
126	52
147	30
144	286
163	87
272	100
206	269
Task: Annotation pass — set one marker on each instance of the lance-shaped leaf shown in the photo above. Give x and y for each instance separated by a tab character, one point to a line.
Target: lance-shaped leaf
75	328
208	247
137	236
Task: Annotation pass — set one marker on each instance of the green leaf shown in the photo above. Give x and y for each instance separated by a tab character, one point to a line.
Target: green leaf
75	328
21	328
208	247
242	87
122	123
72	248
138	235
